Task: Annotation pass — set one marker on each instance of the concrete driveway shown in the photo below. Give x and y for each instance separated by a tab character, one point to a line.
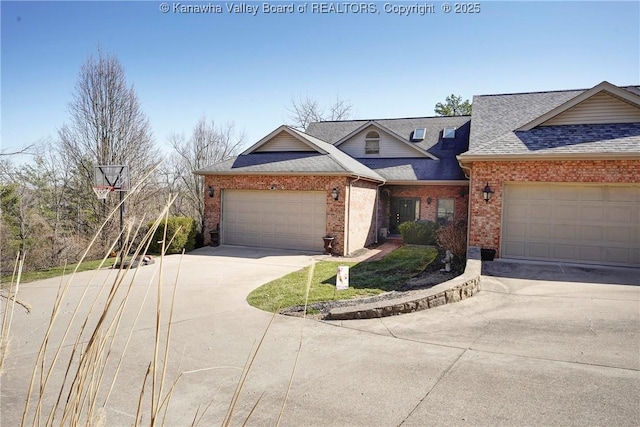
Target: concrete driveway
539	345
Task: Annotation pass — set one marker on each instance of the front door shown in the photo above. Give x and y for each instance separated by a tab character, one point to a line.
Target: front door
402	210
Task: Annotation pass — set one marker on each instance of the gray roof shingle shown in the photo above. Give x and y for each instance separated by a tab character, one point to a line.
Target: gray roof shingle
569	139
334	131
328	160
496	117
416	169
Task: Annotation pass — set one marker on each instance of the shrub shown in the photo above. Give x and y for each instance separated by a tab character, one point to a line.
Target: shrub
453	237
418	232
184	230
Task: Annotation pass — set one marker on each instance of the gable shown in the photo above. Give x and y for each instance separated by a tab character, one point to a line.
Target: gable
390	146
601	108
283	141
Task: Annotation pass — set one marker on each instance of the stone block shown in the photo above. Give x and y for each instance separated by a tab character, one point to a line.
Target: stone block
452	295
422	304
439	300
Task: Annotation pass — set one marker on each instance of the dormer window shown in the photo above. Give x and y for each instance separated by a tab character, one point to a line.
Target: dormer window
372	143
449	133
418	134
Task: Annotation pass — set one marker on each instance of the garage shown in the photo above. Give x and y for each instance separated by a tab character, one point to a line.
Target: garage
585	223
274	219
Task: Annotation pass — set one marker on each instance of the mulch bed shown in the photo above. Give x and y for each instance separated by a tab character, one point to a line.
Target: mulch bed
430	277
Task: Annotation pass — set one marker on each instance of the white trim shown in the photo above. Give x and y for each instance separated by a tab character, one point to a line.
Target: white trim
288	130
605	86
385	130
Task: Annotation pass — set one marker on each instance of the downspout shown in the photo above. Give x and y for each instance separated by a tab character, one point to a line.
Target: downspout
467	173
378	207
348	232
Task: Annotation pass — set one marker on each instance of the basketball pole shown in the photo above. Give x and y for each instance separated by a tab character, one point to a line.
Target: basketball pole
121	221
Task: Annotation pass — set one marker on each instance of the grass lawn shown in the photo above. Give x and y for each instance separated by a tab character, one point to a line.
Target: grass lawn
47	273
365	279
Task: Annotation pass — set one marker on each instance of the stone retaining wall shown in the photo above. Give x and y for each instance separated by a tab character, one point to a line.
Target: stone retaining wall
454	290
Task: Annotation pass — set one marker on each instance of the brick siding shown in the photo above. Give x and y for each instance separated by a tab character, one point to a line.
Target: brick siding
486	218
361	215
428	211
362	204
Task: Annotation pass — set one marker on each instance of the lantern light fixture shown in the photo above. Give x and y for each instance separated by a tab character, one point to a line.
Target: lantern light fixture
487	192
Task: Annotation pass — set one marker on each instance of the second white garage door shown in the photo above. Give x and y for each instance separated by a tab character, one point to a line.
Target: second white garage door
584	223
274	219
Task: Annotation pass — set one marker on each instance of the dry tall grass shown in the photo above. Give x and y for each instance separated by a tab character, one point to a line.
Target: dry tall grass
83	351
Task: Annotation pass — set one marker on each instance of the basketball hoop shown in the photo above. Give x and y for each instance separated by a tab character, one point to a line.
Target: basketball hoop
102	191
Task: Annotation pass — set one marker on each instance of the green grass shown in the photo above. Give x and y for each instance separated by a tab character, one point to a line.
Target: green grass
365	279
47	273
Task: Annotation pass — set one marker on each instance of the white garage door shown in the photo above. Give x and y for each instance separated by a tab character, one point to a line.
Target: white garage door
274	219
583	223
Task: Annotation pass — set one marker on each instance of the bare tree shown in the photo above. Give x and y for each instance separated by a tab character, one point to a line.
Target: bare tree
307	110
25	150
107	127
208	144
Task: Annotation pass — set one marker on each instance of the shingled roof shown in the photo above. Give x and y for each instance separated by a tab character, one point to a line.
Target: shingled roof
396	171
497	118
334	131
325	159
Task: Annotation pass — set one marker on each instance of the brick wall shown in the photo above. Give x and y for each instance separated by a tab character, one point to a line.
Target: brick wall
486	220
361	214
428	211
336	210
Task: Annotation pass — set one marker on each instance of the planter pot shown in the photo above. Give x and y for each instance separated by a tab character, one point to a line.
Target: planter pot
328	244
215	236
487	254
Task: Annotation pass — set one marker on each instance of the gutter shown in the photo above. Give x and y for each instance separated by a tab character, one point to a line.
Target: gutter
547	156
347	230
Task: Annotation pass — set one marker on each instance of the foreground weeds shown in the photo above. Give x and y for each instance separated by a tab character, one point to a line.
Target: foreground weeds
87	341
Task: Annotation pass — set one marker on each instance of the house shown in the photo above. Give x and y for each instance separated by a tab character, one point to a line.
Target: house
561	170
352	180
564	168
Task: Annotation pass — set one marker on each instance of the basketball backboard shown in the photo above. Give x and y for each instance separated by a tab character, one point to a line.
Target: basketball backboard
114	176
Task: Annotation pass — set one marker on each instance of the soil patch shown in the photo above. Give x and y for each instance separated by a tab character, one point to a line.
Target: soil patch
428	278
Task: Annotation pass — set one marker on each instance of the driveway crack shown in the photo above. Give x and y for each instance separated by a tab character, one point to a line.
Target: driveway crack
440	377
387	328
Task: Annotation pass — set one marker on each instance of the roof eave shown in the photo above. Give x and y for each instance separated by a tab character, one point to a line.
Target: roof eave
469	158
287	173
428	182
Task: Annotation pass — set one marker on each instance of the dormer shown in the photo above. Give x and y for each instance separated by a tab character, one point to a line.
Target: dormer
374	140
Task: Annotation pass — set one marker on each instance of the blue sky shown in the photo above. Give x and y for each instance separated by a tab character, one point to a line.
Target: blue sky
245	69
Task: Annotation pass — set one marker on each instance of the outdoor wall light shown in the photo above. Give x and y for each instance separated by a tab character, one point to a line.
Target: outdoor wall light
429	200
335	193
486	193
210	191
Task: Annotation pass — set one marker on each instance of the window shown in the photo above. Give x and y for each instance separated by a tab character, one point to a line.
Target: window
449	133
372	143
418	134
445	211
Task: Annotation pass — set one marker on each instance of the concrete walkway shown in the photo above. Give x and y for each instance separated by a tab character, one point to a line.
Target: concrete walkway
553	350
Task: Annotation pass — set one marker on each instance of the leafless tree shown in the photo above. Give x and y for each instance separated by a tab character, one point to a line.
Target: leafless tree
303	111
107	127
208	144
26	150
